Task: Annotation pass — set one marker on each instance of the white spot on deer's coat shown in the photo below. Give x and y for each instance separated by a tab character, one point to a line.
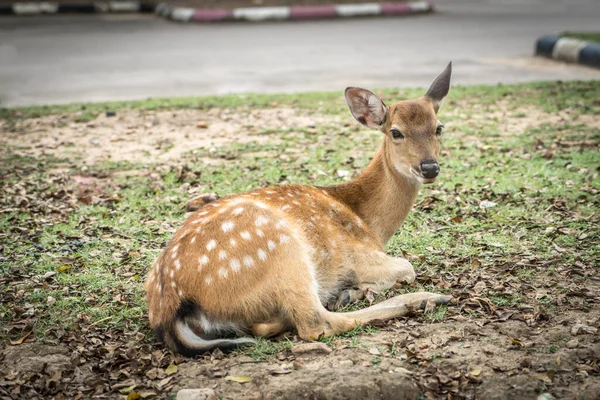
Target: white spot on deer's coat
246	235
193	240
271	244
174	251
238	211
178	264
233	242
208	280
203	260
180	293
290	195
284	239
222	272
248	261
261	220
222	255
235	265
172	274
281	223
211	245
203	213
262	255
227	226
260	204
269	191
173	284
287	206
296	202
260	233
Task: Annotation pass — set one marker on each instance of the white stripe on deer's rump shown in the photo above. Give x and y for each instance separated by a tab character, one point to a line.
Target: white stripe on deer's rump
191	340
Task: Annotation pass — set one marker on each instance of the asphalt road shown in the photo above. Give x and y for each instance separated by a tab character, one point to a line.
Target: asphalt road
74	58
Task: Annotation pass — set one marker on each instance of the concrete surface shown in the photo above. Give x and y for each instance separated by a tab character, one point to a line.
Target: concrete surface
74	58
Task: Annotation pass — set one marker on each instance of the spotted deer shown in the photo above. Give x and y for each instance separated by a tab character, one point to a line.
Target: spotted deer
270	260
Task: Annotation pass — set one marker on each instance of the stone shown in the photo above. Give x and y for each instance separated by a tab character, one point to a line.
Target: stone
196	394
580	329
311	348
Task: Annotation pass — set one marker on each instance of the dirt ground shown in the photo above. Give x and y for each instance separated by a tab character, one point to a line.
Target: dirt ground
480	350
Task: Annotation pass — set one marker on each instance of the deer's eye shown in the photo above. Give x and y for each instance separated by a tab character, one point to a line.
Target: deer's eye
439	130
396	134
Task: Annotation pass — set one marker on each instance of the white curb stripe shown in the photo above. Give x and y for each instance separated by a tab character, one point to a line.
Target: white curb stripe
262	13
354	10
567	49
182	14
124	6
419	6
35	8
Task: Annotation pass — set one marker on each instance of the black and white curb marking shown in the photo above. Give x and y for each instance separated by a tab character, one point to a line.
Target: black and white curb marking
569	50
86	8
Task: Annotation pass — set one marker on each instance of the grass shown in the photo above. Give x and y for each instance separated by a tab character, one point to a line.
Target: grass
587	36
99	253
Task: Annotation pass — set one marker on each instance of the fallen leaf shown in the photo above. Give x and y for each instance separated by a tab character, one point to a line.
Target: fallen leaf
128	389
239	379
133	395
476	372
171	369
515	342
64	268
543	378
19	341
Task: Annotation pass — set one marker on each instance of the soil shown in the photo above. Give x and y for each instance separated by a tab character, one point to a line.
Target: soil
479	351
151	135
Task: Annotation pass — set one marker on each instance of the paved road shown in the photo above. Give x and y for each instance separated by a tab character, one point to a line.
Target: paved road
61	59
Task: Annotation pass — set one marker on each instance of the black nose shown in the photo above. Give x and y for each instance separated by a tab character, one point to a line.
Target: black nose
430	169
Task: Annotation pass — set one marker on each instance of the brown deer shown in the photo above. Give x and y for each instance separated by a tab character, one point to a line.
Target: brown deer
270	260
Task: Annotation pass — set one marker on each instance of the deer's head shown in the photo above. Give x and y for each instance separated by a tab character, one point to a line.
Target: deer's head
412	129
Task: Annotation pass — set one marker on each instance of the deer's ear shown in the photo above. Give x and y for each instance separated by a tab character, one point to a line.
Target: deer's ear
440	87
366	107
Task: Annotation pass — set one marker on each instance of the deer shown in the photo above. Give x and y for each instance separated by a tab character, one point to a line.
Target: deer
265	262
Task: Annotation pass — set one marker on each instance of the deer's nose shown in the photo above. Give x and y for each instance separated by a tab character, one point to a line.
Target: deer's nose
430	169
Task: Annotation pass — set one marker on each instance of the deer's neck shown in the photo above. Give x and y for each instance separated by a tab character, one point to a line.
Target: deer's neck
380	195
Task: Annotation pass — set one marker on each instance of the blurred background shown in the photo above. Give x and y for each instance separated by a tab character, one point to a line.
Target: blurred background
76	57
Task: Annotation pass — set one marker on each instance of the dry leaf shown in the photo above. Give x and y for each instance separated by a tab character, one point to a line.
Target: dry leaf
239	379
515	342
543	378
128	389
171	369
476	372
19	341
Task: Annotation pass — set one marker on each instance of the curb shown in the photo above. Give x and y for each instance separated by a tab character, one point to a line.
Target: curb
296	13
121	6
569	50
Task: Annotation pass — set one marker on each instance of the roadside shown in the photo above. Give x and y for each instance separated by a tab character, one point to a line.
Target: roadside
571	47
89	200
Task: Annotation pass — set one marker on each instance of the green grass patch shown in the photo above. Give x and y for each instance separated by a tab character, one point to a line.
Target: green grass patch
588	36
67	264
